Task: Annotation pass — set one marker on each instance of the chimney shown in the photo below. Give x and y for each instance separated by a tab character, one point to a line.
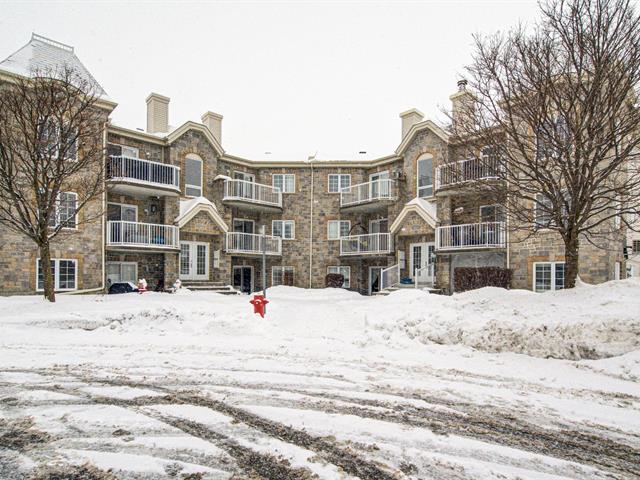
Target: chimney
409	119
462	108
157	113
213	121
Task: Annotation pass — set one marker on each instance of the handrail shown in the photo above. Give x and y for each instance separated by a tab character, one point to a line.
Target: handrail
145	172
382	189
253	243
390	276
470	236
138	234
246	191
366	244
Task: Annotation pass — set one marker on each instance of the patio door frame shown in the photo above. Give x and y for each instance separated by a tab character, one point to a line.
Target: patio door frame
370	282
233	276
193	261
425	258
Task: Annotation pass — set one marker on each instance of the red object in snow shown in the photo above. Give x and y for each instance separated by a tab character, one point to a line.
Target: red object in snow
259	303
142	287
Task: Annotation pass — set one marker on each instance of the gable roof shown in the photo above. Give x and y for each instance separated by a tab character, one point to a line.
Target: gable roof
417	128
44	54
193	206
189	125
427	210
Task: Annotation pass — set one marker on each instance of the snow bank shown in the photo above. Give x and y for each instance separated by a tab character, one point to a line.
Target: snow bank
588	322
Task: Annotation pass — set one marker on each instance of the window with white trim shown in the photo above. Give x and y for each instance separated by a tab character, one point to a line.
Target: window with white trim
64	274
122	272
543	207
193	175
380	225
338	181
281	275
343	270
286	182
52	138
337	229
64	213
284	228
424	176
548	276
635	246
491	213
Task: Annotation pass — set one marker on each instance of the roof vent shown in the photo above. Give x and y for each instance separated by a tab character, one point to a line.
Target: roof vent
362	152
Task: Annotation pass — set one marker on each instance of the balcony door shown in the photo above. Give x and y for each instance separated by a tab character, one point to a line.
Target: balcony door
194	260
421	258
244	190
243	278
378	189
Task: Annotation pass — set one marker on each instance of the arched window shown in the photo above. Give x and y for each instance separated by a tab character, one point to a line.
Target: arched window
424	176
193	175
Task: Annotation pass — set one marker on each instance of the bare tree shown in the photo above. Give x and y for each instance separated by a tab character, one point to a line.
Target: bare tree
51	157
552	114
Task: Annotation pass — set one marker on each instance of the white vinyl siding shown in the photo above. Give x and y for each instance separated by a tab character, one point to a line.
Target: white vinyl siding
338	181
65	273
344	271
337	229
284	228
281	275
548	276
286	182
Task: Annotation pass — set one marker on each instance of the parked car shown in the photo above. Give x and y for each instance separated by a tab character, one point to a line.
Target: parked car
122	287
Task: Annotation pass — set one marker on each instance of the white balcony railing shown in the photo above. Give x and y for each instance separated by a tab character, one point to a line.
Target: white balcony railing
390	276
143	172
485	168
369	244
252	192
252	243
383	189
136	234
470	236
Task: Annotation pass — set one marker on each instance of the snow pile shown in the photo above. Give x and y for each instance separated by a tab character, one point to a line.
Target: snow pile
588	322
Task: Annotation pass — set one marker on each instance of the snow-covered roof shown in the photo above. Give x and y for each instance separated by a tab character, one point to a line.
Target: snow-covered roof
44	54
189	208
426	209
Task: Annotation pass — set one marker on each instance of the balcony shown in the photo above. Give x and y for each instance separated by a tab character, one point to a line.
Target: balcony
144	236
252	196
368	196
369	244
462	174
252	244
137	177
471	236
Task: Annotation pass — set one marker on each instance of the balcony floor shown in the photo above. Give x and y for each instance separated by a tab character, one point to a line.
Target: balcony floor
252	206
141	190
370	206
142	248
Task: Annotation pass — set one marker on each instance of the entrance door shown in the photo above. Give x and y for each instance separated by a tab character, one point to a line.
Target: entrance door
194	260
421	256
243	278
374	279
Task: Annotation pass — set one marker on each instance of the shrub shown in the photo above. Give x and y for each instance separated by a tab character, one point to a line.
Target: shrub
334	280
20	434
470	278
71	472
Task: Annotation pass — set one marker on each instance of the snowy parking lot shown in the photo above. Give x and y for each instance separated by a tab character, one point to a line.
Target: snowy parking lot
487	384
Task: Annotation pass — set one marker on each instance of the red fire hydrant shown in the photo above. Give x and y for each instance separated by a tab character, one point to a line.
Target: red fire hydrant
259	303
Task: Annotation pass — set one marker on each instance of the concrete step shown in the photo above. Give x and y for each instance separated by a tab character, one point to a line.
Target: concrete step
216	287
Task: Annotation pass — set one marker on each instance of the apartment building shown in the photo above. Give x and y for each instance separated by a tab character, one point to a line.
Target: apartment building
178	205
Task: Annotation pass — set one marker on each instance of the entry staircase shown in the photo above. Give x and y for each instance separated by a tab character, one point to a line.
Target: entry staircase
390	280
206	286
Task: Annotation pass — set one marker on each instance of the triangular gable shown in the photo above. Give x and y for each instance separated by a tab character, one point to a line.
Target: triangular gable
419	127
185	127
190	208
425	209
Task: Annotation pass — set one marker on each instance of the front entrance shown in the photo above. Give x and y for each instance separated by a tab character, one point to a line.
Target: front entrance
374	279
194	260
243	278
421	256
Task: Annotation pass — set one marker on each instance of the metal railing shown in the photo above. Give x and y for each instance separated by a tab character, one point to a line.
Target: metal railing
454	173
425	275
369	244
390	276
238	242
144	172
136	234
246	191
383	189
471	235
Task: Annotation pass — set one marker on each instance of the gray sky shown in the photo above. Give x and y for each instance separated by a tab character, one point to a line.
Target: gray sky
290	78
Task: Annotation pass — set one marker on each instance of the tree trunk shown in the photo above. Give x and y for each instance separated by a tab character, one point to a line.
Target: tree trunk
571	257
45	265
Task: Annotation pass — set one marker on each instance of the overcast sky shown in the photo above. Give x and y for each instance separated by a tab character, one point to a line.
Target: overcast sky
290	78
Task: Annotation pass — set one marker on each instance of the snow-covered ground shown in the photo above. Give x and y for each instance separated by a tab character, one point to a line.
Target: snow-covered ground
486	384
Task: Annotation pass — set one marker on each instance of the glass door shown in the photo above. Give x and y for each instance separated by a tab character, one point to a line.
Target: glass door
379	189
421	261
243	279
194	261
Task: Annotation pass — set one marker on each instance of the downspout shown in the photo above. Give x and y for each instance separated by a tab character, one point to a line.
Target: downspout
102	221
311	228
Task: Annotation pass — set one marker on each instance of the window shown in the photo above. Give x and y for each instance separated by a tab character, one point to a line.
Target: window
52	137
552	137
425	176
542	210
116	150
344	271
122	211
193	176
378	188
337	229
338	181
491	213
381	225
548	276
243	226
122	272
64	274
282	276
286	182
65	210
247	177
635	246
283	228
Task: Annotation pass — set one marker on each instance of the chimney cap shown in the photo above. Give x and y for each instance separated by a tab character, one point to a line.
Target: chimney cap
211	114
462	84
412	111
157	96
